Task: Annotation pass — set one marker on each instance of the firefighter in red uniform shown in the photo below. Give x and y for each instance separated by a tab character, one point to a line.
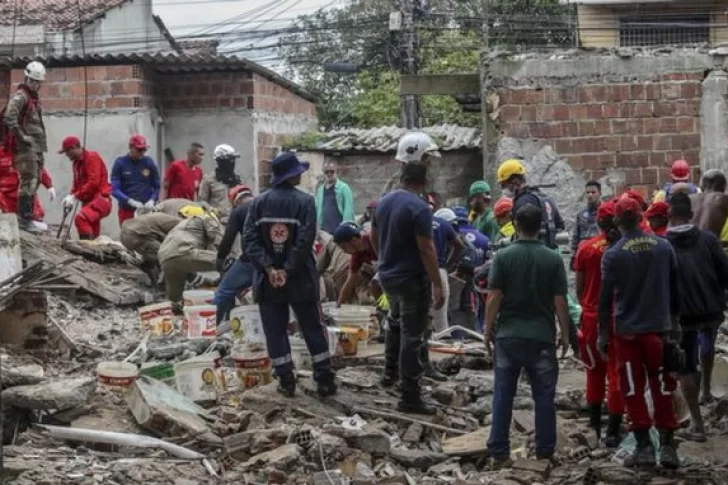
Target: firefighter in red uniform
9	183
656	215
90	187
588	268
634	195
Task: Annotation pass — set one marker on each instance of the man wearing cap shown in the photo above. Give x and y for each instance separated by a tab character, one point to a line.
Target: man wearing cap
586	220
680	174
135	179
90	187
189	248
587	266
240	275
182	178
503	211
656	216
358	244
279	233
639	281
479	198
334	200
703	280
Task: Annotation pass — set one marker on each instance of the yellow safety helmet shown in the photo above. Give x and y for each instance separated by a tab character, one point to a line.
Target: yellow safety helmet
510	168
191	211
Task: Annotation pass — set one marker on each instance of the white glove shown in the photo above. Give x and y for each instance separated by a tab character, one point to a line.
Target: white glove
69	201
135	203
149	204
52	193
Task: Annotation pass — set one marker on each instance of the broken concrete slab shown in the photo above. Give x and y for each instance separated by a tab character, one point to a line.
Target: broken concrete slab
21	374
540	467
281	458
524	421
56	395
413	433
416	458
470	444
373	442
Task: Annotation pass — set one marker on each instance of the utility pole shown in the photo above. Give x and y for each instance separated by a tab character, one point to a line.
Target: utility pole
409	104
489	162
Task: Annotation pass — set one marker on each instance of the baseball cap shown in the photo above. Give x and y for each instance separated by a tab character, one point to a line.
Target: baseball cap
605	210
138	142
68	143
657	209
346	232
627	205
636	196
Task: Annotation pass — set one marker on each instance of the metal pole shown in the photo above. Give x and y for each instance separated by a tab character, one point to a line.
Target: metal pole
409	103
489	163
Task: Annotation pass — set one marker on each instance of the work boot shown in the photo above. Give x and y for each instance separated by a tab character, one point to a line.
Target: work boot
287	385
25	216
326	387
412	403
434	374
643	455
595	418
668	450
614	431
389	378
85	237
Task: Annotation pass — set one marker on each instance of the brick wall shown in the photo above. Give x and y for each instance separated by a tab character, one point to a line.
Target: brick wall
207	90
269	145
272	97
635	127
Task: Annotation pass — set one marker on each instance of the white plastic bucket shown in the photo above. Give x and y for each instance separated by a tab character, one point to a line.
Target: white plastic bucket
157	319
355	316
117	376
201	321
252	364
198	297
246	325
196	378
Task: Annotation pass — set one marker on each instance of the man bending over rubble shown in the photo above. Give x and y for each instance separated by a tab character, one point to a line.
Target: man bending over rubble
280	230
189	248
144	234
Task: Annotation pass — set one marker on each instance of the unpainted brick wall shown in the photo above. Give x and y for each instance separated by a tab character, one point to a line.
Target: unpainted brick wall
207	90
269	144
635	127
272	97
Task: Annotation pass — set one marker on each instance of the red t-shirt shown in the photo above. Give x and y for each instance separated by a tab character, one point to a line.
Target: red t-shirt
183	180
589	261
363	257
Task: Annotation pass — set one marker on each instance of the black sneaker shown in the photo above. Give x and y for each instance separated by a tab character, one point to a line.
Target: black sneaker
416	406
614	431
287	385
389	378
326	388
432	373
643	455
668	451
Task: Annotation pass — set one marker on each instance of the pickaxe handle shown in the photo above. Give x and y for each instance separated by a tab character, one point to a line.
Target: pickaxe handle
66	211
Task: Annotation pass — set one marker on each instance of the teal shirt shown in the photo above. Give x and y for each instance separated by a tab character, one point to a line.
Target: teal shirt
530	275
344	201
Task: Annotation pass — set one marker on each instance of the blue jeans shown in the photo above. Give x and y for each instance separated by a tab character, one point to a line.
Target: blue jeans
539	359
235	280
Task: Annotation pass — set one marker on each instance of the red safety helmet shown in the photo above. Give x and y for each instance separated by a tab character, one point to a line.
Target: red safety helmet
680	171
239	191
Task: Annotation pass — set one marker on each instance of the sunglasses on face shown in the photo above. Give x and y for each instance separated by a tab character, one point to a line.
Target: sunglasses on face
329	172
140	150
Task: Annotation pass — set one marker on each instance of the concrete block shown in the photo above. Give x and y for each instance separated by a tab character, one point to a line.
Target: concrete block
25	321
11	261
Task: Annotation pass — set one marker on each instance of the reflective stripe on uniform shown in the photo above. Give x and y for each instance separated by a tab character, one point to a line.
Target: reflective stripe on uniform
321	357
286	359
277	220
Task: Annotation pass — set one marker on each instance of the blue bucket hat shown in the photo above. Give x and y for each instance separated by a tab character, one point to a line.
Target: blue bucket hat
286	166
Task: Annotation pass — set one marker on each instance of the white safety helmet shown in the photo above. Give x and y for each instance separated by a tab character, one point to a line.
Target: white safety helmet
35	71
223	152
446	214
414	145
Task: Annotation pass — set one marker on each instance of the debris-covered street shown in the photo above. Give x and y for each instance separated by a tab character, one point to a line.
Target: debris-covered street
61	426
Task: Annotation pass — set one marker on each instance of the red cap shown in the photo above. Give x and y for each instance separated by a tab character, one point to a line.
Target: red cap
68	143
680	171
627	204
657	209
634	195
503	206
372	204
605	210
138	142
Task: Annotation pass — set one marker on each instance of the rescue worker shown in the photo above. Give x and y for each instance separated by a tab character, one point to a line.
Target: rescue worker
135	179
639	280
144	234
10	183
586	220
25	139
710	211
409	274
239	275
358	244
182	177
415	146
189	248
637	197
215	186
479	200
702	279
470	233
656	216
90	188
279	233
449	248
511	176
587	266
332	264
680	173
173	206
334	200
503	211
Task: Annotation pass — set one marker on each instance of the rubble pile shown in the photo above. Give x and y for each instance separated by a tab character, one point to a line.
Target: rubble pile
62	427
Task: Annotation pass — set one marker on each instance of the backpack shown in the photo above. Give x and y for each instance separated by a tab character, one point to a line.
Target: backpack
548	222
668	190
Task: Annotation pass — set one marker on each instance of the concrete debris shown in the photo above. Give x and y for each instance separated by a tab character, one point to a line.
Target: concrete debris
281	458
20	375
58	394
416	458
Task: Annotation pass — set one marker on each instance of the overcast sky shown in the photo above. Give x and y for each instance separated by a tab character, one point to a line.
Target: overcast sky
194	18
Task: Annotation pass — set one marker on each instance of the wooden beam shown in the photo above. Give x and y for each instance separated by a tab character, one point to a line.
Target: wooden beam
452	84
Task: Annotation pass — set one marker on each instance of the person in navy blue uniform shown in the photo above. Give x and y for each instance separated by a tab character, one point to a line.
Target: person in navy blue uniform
135	181
279	234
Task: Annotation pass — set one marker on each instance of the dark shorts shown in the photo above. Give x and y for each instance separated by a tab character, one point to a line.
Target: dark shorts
690	346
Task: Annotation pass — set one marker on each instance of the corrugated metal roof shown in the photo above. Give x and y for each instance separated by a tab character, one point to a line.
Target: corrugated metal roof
167	62
384	139
55	15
